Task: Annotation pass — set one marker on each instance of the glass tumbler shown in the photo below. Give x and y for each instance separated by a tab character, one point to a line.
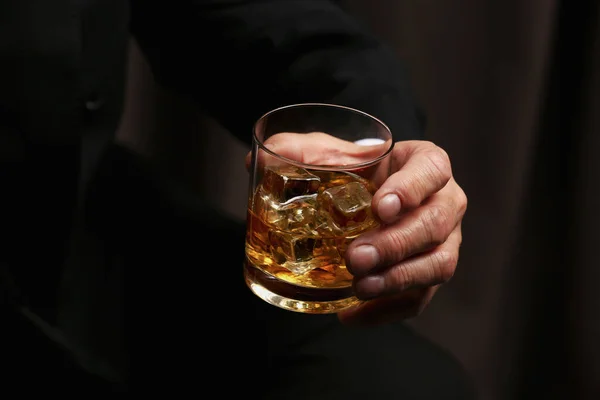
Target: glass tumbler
313	171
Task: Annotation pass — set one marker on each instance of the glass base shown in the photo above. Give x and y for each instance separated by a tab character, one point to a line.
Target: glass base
296	298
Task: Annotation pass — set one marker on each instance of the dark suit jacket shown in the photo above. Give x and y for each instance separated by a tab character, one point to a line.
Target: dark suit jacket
62	66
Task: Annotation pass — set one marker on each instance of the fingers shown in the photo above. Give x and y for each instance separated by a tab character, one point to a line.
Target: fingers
431	268
418	230
317	148
423	169
401	306
403	283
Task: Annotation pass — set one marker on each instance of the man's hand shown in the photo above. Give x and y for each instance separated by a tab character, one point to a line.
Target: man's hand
399	266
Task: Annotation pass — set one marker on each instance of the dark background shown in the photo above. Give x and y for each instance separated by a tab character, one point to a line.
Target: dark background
511	90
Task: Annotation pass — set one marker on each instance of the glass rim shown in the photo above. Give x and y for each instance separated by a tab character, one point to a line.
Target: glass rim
363	164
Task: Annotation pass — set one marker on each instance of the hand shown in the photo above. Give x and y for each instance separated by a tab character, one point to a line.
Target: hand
399	266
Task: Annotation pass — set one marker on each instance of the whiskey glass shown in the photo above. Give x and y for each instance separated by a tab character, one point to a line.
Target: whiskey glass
313	171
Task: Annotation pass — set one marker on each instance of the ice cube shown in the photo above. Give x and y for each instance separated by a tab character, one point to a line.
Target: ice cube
298	213
292	250
284	183
348	207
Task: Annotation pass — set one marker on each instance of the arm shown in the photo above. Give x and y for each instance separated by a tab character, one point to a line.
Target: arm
240	59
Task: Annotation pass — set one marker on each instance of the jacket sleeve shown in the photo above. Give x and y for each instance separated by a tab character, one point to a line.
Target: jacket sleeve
238	59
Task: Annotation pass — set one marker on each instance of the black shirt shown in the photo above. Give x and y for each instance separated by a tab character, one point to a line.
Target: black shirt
62	73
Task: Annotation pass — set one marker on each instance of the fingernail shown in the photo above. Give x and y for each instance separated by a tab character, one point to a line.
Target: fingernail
362	259
369	287
388	207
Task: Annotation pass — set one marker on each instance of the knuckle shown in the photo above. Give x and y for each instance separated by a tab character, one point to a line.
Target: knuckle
402	277
398	240
409	192
443	265
462	202
437	224
440	163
